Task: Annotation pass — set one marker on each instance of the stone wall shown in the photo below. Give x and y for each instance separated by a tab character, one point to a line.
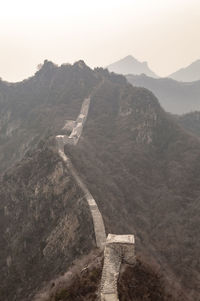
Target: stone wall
73	139
78	124
118	249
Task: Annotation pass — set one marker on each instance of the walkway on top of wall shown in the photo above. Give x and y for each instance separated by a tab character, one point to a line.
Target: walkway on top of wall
118	248
77	128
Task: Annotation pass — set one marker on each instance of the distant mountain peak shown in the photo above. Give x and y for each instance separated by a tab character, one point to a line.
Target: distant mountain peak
189	73
130	65
129	58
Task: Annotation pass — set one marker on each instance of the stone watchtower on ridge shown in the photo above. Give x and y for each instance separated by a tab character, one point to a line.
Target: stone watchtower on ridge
118	249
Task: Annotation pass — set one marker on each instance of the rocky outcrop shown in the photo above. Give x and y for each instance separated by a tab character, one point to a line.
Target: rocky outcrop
45	224
142	171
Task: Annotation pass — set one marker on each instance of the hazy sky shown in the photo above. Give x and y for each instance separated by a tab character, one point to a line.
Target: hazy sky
166	33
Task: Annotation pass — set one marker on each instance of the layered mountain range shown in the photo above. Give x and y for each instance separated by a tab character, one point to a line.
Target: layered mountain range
130	65
175	97
140	165
188	74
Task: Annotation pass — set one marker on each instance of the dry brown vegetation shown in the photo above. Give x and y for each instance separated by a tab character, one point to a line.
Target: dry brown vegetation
140	166
146	171
139	283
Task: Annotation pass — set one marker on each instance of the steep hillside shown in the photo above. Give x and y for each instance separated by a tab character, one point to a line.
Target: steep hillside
38	106
129	65
45	223
188	74
174	96
190	122
45	220
140	166
145	169
139	283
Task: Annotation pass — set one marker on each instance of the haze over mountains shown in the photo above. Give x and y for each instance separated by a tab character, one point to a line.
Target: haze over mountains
188	74
190	122
175	97
130	65
100	161
140	165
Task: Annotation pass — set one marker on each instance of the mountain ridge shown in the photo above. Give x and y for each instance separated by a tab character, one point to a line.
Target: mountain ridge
189	73
175	97
137	162
130	65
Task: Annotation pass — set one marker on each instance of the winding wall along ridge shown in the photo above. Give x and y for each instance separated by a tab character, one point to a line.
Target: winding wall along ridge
118	248
74	137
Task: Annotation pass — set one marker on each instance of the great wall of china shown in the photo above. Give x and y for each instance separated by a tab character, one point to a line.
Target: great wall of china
118	249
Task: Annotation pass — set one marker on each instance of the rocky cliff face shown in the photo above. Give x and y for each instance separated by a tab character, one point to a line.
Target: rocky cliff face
45	224
140	166
145	168
38	107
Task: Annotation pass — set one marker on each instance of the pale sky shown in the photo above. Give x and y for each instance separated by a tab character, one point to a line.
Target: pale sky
165	33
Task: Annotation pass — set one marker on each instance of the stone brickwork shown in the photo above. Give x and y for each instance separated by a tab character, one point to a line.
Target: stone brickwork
73	139
78	124
118	249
